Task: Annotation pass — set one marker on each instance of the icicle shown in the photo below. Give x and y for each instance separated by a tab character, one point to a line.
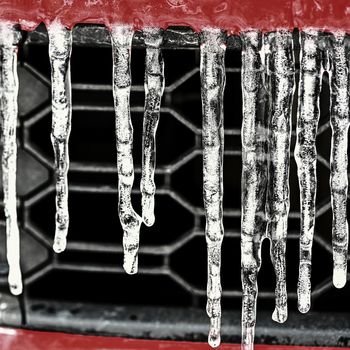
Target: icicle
60	47
280	70
339	87
154	88
9	37
305	155
130	220
254	178
212	69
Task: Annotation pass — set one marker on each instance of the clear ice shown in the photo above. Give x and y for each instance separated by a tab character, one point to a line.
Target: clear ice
212	72
280	86
339	90
305	154
254	177
154	88
9	38
268	87
60	47
121	47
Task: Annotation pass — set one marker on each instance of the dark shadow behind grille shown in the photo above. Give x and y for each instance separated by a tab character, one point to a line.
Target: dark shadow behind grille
71	290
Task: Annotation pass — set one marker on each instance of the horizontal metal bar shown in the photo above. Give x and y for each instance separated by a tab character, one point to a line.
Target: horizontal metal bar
321	329
97	35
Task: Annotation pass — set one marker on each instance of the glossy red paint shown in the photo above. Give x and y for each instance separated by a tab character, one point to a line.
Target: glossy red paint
18	339
328	15
231	15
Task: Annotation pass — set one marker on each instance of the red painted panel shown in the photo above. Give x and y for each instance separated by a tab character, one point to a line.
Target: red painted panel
327	15
18	339
231	15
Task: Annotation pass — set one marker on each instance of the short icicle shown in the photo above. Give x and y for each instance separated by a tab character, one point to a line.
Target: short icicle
60	47
121	47
306	155
9	37
254	178
154	88
339	87
212	72
280	71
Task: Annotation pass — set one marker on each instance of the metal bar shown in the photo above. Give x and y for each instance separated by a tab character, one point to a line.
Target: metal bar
97	35
175	323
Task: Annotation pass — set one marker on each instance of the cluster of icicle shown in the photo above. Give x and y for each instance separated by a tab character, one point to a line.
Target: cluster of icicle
268	83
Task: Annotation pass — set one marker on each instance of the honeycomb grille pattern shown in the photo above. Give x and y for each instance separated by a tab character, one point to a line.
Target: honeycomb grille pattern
172	259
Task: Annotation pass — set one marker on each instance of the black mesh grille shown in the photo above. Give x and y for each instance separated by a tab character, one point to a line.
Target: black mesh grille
172	257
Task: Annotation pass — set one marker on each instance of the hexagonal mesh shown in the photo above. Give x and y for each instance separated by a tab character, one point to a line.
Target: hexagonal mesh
172	256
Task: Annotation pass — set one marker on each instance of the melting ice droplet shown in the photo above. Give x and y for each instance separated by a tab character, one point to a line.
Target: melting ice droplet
121	47
212	71
60	47
154	87
9	37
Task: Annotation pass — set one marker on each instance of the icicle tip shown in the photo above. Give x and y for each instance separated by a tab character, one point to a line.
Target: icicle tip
148	217
16	289
214	338
339	277
130	262
304	305
60	245
280	314
15	283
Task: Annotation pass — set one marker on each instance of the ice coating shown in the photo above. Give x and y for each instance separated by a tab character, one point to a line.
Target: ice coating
154	88
280	85
212	72
233	16
254	177
339	88
9	37
306	155
121	47
60	47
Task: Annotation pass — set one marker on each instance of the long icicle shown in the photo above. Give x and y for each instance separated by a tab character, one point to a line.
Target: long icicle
121	47
212	71
339	87
9	38
306	155
154	88
254	178
280	70
60	47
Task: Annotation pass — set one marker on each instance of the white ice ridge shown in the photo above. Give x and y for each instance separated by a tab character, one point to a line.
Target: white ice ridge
339	88
254	178
280	86
306	155
154	88
9	91
121	47
212	71
60	47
